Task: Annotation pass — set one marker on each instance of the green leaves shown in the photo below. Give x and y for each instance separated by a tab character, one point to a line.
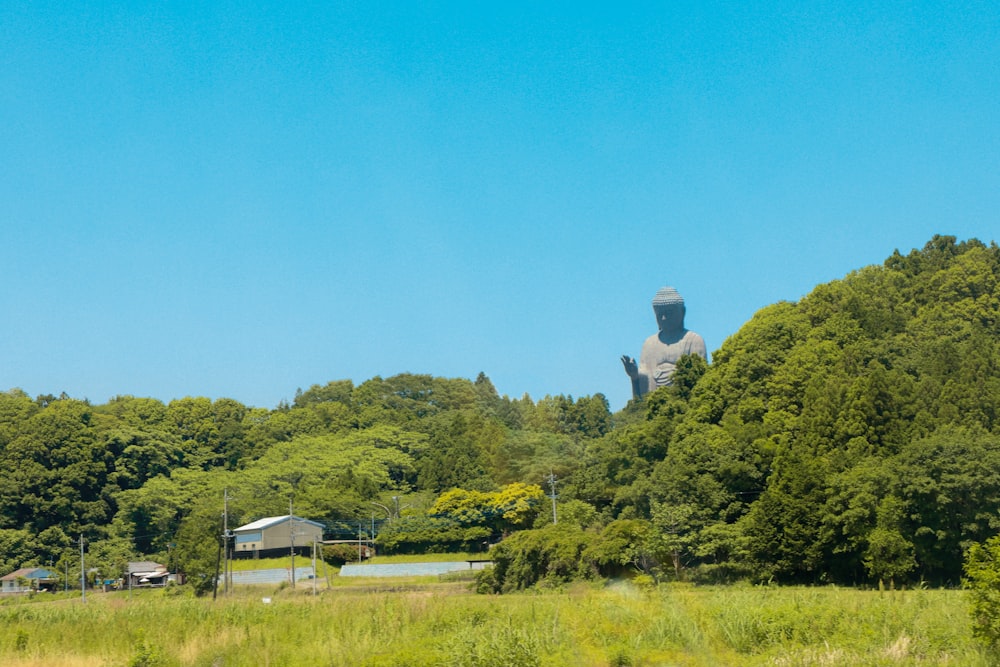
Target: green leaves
982	579
851	436
512	507
552	555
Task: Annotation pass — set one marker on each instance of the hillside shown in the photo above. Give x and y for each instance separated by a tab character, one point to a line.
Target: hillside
851	437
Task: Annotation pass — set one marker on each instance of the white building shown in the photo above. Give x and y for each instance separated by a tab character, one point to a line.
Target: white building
275	535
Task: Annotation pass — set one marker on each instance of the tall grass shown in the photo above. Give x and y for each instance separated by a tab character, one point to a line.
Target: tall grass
448	627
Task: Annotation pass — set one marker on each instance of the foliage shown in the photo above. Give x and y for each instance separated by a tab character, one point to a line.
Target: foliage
982	572
852	436
849	437
339	554
624	546
149	477
512	507
425	534
551	556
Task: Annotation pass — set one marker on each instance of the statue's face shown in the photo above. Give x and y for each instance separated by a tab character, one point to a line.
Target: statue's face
669	317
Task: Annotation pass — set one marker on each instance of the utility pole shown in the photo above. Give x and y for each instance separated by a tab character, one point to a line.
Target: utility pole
225	540
314	550
83	572
227	573
218	561
552	483
291	537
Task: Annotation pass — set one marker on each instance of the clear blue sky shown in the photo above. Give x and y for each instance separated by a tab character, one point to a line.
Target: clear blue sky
239	199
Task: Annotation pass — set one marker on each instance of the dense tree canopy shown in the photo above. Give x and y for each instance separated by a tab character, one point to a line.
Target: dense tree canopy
852	436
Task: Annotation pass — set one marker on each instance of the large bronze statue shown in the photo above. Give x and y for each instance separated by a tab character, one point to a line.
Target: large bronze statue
661	351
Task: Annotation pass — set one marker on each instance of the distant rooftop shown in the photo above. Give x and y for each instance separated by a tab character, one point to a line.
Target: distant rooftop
144	566
29	573
260	524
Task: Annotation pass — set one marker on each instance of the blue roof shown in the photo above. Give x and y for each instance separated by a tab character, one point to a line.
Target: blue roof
30	573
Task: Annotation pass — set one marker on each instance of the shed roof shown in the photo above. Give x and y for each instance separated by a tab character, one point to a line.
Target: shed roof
143	566
29	573
266	522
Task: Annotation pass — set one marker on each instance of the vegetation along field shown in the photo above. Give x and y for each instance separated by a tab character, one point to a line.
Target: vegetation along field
439	624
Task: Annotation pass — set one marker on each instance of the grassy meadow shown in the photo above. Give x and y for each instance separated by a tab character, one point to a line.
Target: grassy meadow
442	624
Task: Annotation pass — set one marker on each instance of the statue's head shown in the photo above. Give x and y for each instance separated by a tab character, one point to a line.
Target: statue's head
668	305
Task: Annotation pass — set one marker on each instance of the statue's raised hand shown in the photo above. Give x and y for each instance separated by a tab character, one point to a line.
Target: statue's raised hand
631	368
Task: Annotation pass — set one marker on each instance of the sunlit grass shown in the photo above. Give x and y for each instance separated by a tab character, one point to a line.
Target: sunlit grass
243	564
385	623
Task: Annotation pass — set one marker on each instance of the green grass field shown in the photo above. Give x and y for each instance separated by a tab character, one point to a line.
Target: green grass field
272	563
442	624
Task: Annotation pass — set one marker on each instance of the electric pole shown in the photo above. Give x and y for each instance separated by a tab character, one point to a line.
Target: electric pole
291	537
225	540
314	550
83	572
552	483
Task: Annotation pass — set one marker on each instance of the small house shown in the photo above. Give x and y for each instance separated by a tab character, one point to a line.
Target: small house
145	574
29	579
275	536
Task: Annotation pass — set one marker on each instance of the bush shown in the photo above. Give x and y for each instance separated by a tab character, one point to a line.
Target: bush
982	572
338	554
424	534
623	548
552	555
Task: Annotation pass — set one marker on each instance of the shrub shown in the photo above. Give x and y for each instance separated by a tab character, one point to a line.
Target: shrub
424	534
623	547
338	554
552	555
982	572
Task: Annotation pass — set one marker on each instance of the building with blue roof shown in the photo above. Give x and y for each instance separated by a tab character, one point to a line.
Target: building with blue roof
29	579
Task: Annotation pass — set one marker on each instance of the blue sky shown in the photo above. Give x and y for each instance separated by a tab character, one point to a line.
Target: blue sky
217	199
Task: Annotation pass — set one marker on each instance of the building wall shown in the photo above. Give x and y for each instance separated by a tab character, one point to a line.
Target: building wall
248	542
12	587
277	536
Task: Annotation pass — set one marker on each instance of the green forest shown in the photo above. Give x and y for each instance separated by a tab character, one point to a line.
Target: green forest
850	437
